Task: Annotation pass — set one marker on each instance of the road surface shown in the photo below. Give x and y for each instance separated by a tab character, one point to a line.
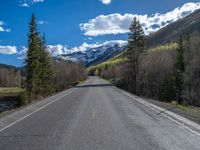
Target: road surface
96	116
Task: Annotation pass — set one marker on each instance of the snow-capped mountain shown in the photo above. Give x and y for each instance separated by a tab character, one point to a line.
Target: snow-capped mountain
94	54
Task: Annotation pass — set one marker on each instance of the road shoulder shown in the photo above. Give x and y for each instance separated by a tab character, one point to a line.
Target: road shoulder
20	114
160	110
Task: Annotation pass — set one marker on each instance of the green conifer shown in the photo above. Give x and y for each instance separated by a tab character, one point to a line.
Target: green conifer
136	44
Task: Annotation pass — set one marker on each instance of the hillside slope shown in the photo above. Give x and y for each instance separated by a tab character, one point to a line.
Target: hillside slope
173	31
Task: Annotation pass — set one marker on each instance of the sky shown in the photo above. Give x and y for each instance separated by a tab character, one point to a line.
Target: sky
76	25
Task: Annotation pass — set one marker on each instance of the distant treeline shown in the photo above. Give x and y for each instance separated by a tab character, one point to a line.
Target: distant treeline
167	72
67	74
10	76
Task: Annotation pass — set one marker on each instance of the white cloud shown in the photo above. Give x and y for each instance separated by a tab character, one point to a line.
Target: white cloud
1	23
8	50
85	46
27	3
58	49
42	22
24	5
7	30
2	29
106	1
55	50
119	24
22	52
37	1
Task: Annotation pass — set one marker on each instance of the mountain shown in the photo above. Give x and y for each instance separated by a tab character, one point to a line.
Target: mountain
107	50
173	31
98	54
8	68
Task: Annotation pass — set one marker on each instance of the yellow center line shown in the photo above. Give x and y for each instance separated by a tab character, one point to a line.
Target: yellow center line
93	115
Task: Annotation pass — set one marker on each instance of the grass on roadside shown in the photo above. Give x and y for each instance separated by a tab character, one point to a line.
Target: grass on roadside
10	91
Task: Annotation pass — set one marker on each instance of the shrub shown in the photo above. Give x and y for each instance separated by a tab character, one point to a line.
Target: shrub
23	98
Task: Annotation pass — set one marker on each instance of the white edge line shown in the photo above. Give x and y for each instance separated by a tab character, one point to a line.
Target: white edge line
57	99
151	106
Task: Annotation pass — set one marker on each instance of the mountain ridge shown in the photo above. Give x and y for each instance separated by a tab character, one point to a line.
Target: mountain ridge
170	33
95	55
173	31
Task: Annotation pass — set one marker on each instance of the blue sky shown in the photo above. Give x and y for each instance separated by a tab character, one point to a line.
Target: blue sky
73	25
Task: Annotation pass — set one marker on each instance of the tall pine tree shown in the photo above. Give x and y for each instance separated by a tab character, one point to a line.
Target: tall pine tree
39	70
47	75
136	45
32	59
180	68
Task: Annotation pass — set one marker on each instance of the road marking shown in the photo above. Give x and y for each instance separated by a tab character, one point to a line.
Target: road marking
156	109
93	115
37	110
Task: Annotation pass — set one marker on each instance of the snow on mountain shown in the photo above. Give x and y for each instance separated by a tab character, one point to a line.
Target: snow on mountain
90	54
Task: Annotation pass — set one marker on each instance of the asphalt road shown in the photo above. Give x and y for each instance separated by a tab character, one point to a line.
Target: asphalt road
96	116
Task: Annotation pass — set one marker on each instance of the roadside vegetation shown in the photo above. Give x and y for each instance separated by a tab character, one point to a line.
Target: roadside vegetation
10	91
46	75
12	97
168	72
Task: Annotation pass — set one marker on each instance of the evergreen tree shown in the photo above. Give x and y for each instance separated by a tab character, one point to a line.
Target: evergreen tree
47	76
32	59
180	68
136	44
40	75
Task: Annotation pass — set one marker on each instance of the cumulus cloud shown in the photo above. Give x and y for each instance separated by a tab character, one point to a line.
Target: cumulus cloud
119	24
106	1
58	49
8	50
27	3
54	50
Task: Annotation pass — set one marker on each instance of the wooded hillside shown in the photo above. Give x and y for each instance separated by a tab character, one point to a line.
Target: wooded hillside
157	71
